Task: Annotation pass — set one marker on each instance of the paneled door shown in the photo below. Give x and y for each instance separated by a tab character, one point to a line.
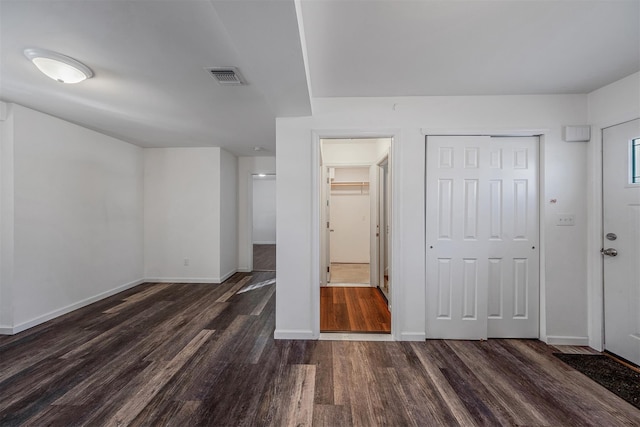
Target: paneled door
621	240
482	237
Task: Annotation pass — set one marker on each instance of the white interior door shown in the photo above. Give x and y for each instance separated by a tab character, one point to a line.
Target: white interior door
325	218
621	201
385	229
374	240
382	230
482	237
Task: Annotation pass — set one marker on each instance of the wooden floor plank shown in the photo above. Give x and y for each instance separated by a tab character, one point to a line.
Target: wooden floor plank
265	299
354	309
264	257
233	289
130	410
149	356
135	298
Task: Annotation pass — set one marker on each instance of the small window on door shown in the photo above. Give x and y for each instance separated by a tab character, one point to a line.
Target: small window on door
635	161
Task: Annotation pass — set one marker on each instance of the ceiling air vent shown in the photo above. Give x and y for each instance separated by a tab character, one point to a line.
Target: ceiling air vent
227	76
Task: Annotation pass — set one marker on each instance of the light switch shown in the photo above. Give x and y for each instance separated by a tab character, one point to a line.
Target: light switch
565	219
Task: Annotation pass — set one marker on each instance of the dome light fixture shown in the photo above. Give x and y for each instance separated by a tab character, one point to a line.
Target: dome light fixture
59	67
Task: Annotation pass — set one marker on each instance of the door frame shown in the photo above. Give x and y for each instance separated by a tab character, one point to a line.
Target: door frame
316	206
542	135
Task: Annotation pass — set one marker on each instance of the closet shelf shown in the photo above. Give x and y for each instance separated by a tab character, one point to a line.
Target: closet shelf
350	184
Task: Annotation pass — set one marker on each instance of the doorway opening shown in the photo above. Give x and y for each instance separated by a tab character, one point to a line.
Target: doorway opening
355	235
263	222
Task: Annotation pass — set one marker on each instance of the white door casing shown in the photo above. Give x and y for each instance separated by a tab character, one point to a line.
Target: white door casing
621	216
482	231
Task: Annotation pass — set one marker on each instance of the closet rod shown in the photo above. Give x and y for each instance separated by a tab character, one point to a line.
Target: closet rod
350	183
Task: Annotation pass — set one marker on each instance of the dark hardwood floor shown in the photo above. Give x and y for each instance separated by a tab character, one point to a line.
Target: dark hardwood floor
264	257
354	309
202	355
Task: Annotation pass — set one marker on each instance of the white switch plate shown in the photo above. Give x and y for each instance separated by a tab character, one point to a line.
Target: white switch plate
565	219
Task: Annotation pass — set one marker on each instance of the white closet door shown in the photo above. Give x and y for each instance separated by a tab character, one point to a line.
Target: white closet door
482	231
513	231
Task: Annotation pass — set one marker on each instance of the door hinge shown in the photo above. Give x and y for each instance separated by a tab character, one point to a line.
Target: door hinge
327	224
328	268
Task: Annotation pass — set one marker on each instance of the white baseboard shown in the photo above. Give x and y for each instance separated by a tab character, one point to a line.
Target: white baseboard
212	280
294	334
350	285
227	275
265	243
413	336
6	330
559	340
244	270
69	308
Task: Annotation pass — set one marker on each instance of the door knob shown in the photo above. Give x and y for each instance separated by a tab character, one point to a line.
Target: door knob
609	251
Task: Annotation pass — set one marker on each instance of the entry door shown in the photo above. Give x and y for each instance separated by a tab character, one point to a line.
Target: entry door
621	199
482	237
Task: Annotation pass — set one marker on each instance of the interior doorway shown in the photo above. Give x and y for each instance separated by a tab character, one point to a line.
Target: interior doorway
355	176
263	221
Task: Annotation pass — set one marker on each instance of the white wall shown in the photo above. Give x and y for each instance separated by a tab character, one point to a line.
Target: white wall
613	104
190	205
228	215
246	167
77	217
6	218
564	290
354	151
350	217
264	210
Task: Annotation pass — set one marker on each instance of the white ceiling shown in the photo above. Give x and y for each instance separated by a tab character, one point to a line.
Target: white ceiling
477	47
149	57
150	87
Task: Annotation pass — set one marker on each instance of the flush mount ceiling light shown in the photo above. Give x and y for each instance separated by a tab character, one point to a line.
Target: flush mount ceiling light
59	67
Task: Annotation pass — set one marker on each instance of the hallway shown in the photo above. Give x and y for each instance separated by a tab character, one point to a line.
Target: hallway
354	309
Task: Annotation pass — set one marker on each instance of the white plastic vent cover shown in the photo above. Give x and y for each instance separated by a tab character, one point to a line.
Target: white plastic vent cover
228	76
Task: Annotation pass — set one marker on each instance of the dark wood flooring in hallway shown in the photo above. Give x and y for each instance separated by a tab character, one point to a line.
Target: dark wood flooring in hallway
353	309
202	355
264	257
